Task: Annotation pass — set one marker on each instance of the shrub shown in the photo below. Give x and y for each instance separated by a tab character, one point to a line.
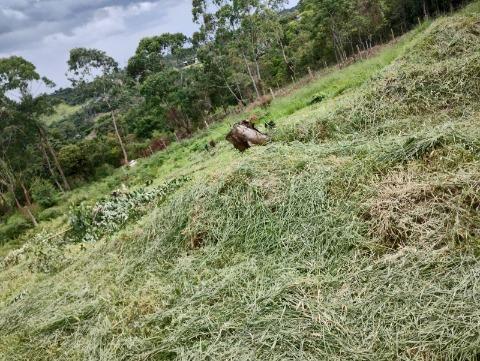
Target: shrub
49	214
13	228
104	171
109	215
44	193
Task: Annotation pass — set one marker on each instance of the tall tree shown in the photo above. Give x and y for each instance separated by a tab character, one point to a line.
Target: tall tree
94	69
17	76
155	53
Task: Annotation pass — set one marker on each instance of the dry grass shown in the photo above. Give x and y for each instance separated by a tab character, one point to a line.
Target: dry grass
430	210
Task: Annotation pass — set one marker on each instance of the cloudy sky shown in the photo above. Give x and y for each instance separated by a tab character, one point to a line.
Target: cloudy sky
43	31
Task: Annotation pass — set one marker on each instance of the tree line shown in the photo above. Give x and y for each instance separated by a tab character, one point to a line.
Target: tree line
175	84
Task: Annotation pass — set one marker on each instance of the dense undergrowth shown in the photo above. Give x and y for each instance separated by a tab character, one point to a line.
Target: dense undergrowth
353	235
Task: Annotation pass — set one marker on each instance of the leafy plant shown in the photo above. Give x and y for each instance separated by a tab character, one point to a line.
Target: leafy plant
110	214
44	193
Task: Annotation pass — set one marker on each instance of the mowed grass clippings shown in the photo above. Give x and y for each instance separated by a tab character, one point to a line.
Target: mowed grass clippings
352	236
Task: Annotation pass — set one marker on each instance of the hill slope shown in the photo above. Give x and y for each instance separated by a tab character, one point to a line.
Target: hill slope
353	235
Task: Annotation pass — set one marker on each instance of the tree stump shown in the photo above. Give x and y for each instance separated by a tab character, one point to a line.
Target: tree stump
244	135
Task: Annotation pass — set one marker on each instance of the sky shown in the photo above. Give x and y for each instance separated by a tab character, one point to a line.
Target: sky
43	31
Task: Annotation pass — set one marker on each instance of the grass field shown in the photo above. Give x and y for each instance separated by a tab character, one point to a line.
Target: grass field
353	235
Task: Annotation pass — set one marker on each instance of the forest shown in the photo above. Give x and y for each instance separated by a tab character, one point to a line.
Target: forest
172	86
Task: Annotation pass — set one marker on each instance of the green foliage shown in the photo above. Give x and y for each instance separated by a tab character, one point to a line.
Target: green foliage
50	213
83	63
45	254
104	170
111	214
152	54
14	226
16	73
44	193
85	157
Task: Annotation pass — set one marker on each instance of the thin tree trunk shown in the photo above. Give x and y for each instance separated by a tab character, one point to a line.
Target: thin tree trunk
285	58
260	81
2	197
26	194
120	141
49	165
242	98
24	209
58	166
55	159
251	75
233	93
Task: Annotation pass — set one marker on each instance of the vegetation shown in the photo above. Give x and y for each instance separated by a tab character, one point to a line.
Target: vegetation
173	85
352	235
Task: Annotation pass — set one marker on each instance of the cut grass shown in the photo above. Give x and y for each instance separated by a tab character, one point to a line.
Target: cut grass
352	236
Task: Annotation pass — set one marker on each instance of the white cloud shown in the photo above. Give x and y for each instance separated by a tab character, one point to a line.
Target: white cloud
14	14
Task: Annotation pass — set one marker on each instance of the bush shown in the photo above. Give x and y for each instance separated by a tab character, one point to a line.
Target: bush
44	193
104	170
112	213
13	228
49	214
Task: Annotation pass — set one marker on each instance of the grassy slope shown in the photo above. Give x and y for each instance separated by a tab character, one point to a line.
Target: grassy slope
353	235
62	110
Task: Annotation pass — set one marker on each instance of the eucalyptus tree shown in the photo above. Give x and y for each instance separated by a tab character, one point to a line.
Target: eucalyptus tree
242	32
17	77
21	123
220	24
17	162
94	70
155	53
19	147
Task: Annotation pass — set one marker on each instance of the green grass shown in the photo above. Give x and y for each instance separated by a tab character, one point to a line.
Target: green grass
62	111
353	235
332	81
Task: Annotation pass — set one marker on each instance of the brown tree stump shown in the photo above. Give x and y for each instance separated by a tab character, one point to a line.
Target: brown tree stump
244	135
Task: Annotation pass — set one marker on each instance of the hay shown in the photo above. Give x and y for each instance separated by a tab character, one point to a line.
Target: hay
429	210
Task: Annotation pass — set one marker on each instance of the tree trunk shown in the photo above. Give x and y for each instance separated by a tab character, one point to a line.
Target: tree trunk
117	133
58	166
260	81
54	156
26	194
120	141
242	98
251	75
425	12
285	59
233	93
49	165
244	135
24	209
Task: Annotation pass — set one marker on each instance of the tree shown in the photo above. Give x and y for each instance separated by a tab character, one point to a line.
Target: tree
16	160
94	69
16	78
154	53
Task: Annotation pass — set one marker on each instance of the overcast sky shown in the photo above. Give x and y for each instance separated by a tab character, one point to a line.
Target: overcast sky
43	31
